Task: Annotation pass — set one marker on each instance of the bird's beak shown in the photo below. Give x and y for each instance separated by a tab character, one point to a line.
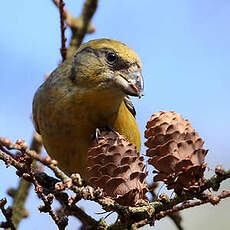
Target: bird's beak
131	83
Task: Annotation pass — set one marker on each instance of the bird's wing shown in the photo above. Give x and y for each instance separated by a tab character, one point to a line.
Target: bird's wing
35	115
130	105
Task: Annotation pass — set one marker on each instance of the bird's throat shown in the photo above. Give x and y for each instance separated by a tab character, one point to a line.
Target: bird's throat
102	106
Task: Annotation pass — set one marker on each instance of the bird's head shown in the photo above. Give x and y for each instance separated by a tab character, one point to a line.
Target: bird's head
106	64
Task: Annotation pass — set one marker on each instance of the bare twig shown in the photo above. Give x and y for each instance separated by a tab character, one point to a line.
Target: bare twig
79	32
68	207
87	220
88	11
215	181
63	28
79	26
11	161
207	199
20	197
71	21
8	215
60	222
175	217
29	175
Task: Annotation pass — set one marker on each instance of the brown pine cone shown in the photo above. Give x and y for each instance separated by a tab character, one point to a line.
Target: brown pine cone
115	165
175	150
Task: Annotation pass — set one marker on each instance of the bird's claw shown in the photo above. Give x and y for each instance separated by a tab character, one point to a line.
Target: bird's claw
97	134
98	131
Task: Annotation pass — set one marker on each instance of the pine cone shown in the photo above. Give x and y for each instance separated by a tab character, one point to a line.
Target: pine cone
115	165
175	150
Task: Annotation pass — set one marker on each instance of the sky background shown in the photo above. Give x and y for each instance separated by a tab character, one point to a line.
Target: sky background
185	50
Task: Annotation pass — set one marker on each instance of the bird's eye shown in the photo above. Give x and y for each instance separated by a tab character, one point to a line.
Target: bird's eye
111	57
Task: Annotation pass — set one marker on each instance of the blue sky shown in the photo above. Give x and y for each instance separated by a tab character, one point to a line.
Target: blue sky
184	47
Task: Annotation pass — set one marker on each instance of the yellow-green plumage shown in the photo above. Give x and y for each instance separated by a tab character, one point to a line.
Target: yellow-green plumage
76	99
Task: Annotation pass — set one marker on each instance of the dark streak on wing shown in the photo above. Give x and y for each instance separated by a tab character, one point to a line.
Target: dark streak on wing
89	50
73	74
34	115
130	105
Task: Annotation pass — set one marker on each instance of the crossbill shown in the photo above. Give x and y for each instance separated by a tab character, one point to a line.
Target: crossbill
84	93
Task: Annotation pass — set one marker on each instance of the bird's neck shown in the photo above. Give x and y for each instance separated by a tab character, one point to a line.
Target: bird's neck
103	106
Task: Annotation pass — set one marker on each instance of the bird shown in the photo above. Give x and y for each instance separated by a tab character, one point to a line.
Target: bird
87	92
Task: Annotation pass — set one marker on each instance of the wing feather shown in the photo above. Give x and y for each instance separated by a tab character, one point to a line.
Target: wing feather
130	105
